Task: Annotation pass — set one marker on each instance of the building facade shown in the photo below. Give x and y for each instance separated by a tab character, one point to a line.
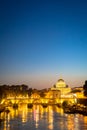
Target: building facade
62	87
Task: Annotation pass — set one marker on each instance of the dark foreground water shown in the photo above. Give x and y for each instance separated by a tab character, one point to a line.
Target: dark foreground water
39	118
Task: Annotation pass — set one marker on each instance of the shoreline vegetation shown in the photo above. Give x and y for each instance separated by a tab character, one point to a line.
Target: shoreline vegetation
75	109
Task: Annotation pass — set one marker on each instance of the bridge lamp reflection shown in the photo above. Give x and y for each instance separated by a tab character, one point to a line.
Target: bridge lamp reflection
75	98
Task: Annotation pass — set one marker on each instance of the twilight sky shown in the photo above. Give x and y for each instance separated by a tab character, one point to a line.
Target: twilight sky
42	41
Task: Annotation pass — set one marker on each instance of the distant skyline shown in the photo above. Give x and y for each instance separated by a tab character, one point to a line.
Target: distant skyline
42	41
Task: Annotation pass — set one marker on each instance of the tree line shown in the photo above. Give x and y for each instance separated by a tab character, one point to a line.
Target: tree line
16	90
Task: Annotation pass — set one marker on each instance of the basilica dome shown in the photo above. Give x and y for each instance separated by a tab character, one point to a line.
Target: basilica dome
60	83
61	86
60	80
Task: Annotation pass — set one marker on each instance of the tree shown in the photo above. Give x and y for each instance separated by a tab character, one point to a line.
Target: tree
65	104
85	88
30	92
42	94
2	92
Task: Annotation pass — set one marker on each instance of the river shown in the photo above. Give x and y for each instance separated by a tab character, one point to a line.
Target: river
39	118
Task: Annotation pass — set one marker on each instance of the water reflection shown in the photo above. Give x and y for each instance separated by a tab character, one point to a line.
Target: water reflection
39	118
50	118
36	115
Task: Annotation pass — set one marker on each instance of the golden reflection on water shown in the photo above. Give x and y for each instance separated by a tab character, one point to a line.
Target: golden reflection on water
51	116
24	111
6	122
36	115
85	119
13	113
70	122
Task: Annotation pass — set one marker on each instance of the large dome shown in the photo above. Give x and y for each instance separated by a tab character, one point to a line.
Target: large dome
60	83
60	80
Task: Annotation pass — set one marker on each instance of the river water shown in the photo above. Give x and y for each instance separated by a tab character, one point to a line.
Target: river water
39	118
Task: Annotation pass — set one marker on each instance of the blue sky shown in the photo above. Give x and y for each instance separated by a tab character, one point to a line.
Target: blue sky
43	40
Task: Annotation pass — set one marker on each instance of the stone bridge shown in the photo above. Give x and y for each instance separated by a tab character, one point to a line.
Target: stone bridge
26	100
